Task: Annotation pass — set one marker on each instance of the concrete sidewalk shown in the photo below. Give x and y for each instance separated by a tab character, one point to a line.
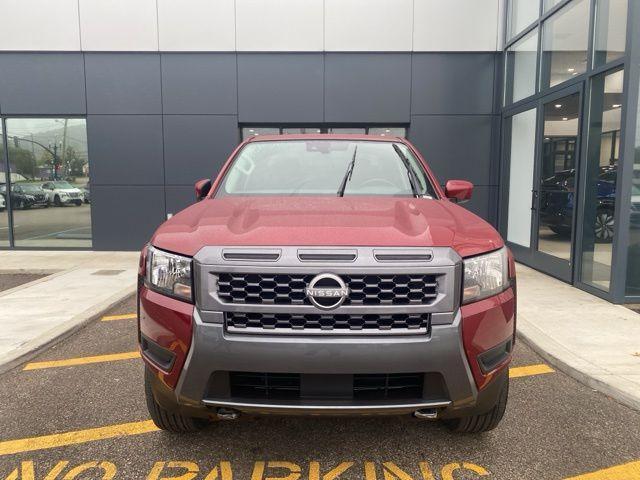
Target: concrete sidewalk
81	285
592	340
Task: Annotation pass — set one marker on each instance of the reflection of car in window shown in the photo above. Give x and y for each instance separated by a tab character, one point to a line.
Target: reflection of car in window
60	193
19	199
557	203
3	205
33	189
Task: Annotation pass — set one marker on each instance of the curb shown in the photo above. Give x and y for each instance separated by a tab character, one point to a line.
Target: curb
51	337
565	366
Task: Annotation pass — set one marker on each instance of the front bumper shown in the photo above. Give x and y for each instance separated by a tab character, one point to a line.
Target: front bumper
213	350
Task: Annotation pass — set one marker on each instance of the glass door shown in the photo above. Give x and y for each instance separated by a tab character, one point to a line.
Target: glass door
554	188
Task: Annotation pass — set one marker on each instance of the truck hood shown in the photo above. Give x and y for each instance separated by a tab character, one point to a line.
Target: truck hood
326	221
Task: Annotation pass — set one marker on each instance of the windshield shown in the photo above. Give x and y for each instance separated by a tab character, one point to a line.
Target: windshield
30	188
326	167
63	185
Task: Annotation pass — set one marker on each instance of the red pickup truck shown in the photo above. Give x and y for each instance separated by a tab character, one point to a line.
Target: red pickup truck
327	274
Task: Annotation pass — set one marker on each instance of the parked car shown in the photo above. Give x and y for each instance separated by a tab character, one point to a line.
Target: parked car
33	189
557	196
327	274
19	200
86	193
60	192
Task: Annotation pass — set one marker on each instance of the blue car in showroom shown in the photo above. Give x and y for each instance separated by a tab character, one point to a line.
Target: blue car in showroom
557	202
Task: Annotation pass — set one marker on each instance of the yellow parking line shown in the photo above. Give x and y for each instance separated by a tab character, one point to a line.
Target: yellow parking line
82	360
529	370
126	316
626	471
79	436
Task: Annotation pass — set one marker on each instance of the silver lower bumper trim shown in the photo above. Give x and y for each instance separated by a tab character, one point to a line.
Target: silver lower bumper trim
334	408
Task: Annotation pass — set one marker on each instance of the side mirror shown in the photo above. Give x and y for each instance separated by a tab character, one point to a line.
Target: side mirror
202	188
458	191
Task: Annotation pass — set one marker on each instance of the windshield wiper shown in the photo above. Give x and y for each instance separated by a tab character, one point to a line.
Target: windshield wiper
348	173
410	172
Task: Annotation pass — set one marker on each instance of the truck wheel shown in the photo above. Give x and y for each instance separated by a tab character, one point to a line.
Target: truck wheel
166	420
486	421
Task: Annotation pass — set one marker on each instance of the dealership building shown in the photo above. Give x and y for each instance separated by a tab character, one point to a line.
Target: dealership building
111	110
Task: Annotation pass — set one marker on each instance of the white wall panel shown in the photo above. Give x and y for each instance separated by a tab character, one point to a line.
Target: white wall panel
368	25
197	25
279	25
39	25
118	25
455	25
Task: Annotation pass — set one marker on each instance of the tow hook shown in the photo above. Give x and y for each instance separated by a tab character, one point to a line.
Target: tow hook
227	414
426	414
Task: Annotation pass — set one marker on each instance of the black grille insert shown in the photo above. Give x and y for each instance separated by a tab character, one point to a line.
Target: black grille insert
392	386
289	289
264	385
366	387
336	323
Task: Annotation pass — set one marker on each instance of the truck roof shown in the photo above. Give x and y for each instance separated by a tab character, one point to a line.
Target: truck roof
324	136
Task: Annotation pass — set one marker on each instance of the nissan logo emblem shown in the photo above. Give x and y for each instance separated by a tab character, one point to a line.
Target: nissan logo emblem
327	291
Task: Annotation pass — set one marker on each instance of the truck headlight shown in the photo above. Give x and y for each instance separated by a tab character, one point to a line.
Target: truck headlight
169	273
485	275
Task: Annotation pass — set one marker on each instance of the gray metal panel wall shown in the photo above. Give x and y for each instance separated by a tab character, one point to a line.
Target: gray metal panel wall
196	146
280	87
125	150
452	83
367	87
42	83
158	121
123	83
199	83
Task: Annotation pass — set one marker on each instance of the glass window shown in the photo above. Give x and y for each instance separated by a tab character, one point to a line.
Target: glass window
254	131
388	131
521	64
601	166
564	44
611	31
358	131
50	193
522	156
301	130
633	260
557	176
324	167
522	13
549	4
4	211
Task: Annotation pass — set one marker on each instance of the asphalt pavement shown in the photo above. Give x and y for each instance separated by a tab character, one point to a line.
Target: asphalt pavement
12	280
77	411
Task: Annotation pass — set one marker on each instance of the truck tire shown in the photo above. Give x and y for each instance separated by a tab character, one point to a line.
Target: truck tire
484	422
166	420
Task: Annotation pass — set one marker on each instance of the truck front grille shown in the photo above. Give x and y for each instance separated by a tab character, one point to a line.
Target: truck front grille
243	321
289	289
